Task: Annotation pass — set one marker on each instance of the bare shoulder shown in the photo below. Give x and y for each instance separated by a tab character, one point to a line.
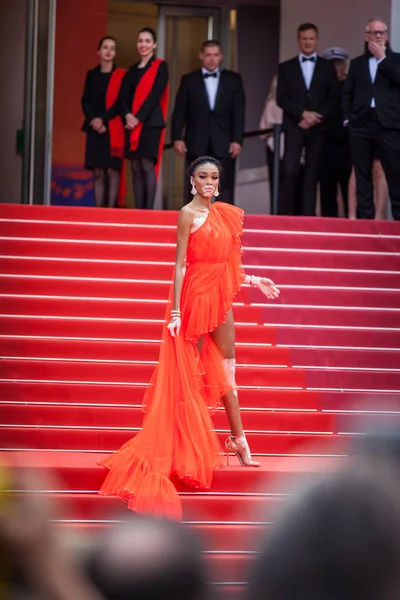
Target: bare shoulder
186	216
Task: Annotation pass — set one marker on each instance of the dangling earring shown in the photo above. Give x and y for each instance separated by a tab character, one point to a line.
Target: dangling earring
216	193
194	191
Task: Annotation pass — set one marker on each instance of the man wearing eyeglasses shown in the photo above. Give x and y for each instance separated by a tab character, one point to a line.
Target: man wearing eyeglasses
371	106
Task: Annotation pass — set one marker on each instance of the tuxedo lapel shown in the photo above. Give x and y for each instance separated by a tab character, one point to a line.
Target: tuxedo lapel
365	69
298	74
202	88
221	88
317	70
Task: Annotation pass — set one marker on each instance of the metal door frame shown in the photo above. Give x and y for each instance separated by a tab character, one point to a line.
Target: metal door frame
213	15
36	183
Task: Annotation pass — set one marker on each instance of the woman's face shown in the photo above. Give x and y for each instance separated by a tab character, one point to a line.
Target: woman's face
146	44
206	180
107	51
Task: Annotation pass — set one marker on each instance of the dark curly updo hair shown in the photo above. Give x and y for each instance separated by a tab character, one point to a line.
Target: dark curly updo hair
202	160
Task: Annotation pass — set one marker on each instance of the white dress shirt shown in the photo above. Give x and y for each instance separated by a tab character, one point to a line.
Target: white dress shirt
308	67
211	84
373	68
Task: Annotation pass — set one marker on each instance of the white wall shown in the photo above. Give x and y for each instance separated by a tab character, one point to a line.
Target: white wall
12	68
340	23
394	25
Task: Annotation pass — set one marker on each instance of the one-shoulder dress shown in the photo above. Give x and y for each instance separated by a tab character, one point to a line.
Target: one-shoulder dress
177	441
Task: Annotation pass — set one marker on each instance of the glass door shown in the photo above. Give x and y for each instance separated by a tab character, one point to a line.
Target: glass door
181	31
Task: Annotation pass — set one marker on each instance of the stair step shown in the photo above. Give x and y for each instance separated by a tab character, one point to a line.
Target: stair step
288	335
126	394
153	271
204	507
363	359
279	257
128	351
302	400
159	217
86	372
293	336
128	418
115	329
80	471
129	233
98	440
156	290
270	314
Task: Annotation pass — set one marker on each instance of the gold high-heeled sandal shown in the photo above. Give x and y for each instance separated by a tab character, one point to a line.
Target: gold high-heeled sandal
246	451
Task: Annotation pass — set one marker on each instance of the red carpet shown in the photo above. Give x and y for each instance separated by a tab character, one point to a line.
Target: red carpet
82	298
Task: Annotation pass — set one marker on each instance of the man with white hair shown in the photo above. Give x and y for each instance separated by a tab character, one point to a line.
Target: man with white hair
371	105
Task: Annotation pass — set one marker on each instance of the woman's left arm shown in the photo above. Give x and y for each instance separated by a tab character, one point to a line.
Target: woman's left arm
157	91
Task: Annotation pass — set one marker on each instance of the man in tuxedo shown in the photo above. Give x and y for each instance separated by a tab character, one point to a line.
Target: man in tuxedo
371	105
308	93
209	106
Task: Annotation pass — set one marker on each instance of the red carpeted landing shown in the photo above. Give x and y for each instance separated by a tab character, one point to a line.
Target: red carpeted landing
82	301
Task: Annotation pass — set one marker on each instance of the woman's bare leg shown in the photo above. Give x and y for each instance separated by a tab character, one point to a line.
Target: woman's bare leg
381	195
224	339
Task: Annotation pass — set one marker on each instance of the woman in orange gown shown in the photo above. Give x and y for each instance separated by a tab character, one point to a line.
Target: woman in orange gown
196	367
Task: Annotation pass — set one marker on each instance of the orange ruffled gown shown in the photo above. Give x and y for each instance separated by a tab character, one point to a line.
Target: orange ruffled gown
177	439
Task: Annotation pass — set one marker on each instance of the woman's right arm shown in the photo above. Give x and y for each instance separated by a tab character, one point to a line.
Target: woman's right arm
85	101
185	222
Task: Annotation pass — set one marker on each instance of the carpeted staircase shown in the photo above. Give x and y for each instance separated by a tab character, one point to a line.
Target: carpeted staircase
83	295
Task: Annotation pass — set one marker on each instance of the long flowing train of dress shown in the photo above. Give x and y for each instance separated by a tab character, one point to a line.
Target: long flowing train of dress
177	439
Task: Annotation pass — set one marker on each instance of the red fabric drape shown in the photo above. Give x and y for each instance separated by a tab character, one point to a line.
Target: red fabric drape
142	91
116	128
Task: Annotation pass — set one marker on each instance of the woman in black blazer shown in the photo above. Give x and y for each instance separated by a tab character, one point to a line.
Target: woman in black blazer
144	100
100	105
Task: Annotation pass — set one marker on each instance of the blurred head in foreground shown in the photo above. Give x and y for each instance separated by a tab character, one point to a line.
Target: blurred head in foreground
381	447
147	559
339	540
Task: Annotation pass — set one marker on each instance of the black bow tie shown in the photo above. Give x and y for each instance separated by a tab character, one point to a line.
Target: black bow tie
206	75
306	58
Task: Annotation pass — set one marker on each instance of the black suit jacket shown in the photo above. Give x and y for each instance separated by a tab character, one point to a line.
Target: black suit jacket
359	90
90	100
294	98
203	126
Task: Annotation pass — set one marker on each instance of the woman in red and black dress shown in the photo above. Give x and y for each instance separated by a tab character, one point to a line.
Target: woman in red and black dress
144	102
103	125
